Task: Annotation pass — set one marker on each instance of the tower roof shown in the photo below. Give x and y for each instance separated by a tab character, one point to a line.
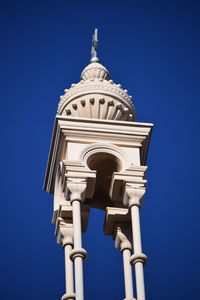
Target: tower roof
96	95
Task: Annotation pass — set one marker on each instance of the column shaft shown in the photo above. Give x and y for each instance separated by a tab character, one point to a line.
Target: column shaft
128	281
135	216
69	270
139	272
78	261
139	276
77	224
78	264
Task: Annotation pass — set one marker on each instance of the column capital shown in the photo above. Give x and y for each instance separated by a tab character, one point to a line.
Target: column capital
133	195
123	238
74	176
65	234
76	189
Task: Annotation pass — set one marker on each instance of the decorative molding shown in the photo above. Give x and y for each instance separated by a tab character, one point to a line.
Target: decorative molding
94	87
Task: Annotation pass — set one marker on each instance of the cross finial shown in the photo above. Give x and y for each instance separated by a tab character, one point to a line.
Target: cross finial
94	57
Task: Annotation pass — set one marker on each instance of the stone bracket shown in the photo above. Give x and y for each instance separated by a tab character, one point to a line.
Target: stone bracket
115	217
123	238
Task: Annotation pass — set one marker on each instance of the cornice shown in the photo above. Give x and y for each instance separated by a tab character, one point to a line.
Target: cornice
124	132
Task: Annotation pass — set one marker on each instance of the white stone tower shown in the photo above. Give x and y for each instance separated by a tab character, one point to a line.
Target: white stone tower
97	159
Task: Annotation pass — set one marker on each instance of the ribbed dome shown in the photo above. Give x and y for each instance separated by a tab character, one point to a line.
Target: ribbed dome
95	70
95	96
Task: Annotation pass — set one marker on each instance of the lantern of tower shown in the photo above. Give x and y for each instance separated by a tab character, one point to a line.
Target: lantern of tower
97	160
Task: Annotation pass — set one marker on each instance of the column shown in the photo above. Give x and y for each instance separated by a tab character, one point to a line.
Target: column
122	242
66	231
77	188
138	259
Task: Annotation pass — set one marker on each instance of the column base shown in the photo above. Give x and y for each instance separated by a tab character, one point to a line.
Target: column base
130	299
66	296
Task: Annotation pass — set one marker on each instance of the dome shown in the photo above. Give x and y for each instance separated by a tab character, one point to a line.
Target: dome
95	70
96	96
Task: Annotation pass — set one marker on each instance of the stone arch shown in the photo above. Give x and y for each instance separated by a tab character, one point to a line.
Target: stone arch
105	159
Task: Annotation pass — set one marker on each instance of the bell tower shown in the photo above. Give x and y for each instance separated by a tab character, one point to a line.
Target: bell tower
97	160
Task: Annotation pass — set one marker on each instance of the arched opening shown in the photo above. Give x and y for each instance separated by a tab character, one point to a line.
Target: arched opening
105	164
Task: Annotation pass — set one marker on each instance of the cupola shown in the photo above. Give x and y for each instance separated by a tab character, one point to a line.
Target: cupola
96	96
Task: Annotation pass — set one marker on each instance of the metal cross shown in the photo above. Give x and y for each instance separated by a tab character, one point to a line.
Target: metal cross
94	46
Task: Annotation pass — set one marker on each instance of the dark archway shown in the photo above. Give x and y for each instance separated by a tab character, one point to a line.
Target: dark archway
105	164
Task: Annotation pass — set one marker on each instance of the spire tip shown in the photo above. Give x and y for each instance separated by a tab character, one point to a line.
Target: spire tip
94	57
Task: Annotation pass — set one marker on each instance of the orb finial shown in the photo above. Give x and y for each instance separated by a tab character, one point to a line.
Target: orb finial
94	57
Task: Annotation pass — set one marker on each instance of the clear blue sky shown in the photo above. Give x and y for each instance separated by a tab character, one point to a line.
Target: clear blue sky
150	47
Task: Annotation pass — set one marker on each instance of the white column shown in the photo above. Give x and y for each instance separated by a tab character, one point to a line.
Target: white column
66	231
138	259
69	270
122	242
77	253
77	189
127	274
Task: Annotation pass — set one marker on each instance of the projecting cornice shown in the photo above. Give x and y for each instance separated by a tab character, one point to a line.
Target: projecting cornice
87	131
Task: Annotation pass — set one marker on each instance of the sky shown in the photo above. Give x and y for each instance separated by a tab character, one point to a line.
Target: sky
150	47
